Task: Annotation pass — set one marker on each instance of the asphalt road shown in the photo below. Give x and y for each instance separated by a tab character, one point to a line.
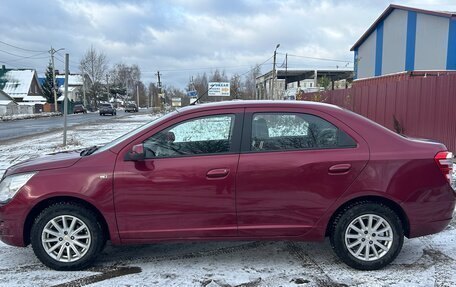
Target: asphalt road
21	128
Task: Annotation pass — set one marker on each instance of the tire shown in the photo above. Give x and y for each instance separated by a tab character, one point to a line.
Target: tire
56	224
355	235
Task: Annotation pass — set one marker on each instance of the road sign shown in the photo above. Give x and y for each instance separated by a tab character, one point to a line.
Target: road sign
192	94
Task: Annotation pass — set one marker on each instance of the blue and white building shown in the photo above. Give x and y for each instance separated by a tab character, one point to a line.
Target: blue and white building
406	39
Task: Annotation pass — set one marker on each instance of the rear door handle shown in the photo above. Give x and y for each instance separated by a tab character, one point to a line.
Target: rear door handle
339	168
218	173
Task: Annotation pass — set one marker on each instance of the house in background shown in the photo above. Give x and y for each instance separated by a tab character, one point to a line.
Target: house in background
407	39
21	84
75	86
8	105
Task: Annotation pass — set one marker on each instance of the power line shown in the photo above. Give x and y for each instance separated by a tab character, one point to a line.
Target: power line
23	49
22	56
9	64
194	69
210	68
38	58
257	66
63	62
71	62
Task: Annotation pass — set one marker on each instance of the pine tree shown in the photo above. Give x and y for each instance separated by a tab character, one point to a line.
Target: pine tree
48	85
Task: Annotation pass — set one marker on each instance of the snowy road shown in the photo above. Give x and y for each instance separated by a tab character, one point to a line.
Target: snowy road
20	128
427	261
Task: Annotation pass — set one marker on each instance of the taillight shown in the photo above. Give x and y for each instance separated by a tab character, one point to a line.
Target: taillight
444	160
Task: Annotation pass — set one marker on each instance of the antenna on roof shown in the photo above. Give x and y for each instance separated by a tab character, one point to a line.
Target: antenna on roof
197	99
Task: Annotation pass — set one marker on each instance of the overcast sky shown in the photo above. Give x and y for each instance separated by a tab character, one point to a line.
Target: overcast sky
182	38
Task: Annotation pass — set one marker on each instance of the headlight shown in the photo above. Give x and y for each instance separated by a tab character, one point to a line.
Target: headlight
10	185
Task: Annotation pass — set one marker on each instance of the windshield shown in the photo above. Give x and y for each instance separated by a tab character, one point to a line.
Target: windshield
131	133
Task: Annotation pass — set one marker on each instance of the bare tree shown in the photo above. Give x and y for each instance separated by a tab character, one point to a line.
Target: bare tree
218	76
126	77
95	64
236	87
249	84
200	84
153	95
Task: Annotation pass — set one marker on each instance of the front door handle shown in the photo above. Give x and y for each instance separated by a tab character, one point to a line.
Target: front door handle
218	173
342	168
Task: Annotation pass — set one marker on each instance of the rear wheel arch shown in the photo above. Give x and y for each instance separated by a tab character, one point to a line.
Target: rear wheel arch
38	208
370	199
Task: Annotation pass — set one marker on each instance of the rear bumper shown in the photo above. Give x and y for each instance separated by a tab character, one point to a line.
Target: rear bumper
428	228
428	217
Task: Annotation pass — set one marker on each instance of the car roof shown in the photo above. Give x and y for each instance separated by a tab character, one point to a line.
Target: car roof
258	104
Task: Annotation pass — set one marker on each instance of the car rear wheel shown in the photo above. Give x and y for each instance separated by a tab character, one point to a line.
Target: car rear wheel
367	236
67	236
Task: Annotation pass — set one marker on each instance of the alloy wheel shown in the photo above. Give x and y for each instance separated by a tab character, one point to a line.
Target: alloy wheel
66	238
369	237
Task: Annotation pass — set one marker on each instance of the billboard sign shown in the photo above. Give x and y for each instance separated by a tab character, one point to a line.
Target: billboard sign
219	89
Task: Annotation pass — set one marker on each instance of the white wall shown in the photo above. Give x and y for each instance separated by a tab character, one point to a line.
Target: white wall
431	42
394	42
366	57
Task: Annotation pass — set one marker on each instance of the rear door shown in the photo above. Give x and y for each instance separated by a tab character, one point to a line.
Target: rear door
294	164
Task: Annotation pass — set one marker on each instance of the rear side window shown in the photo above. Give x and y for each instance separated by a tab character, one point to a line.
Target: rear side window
204	135
292	131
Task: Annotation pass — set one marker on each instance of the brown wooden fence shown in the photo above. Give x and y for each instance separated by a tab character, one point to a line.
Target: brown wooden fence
423	106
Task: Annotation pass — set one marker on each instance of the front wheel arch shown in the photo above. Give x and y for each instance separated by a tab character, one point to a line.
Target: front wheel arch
38	208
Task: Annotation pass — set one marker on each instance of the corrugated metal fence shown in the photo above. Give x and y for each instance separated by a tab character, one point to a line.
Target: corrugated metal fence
423	107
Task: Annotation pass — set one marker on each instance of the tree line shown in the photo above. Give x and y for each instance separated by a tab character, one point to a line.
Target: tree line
122	82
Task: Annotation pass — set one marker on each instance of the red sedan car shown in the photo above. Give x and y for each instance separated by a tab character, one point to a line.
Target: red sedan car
234	171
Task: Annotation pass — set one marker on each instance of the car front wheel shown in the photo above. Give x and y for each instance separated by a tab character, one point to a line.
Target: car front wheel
67	236
367	236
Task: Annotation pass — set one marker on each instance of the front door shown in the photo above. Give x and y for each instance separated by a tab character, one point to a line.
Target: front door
185	188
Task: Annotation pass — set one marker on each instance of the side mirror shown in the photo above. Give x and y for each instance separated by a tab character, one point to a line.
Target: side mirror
136	153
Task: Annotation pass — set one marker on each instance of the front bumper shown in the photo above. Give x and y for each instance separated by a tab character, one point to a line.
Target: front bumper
11	229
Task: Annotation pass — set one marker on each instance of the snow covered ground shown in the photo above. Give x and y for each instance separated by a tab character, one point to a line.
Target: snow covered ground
427	261
29	116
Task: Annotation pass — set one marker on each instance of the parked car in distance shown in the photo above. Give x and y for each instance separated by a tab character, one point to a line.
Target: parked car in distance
131	108
241	170
106	108
79	109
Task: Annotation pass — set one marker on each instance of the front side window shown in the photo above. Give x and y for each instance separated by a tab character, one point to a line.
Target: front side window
291	131
205	135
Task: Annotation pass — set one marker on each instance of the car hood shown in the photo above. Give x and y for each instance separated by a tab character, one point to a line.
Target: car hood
52	161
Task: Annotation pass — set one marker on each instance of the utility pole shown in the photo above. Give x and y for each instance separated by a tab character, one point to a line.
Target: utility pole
52	52
107	90
65	100
274	71
137	95
286	71
84	90
159	90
